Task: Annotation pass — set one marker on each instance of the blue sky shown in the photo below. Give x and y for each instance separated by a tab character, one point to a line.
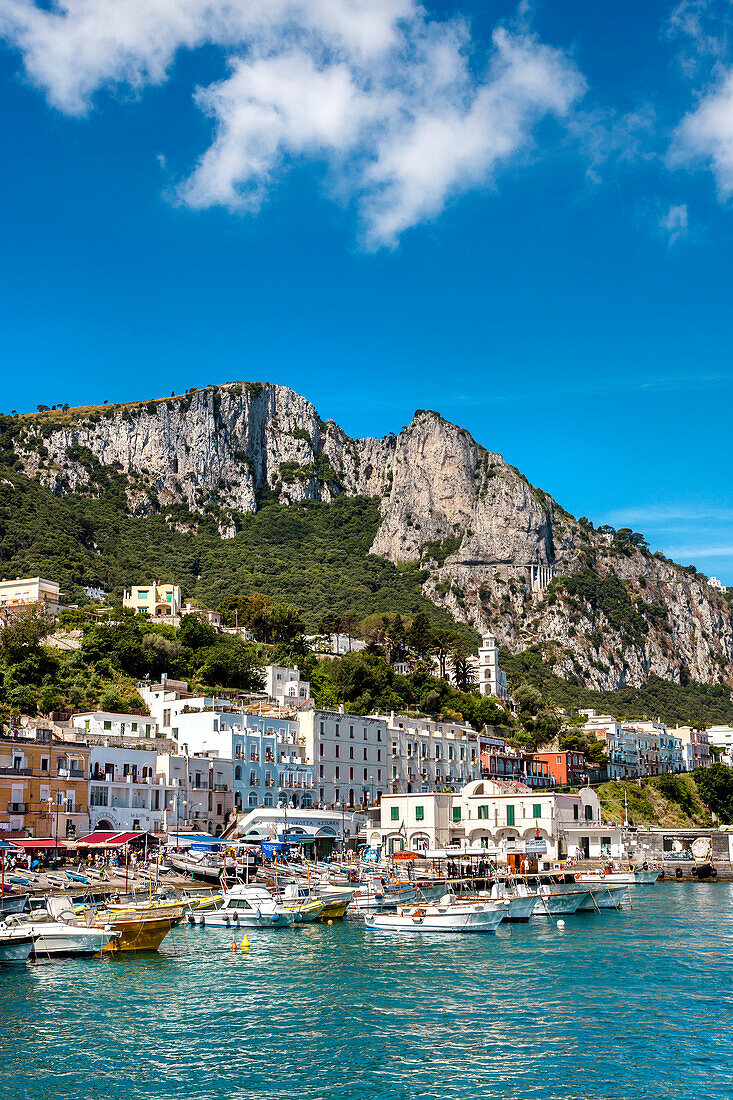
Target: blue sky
516	214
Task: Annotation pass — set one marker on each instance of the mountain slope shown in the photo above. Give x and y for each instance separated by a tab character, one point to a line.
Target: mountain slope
497	552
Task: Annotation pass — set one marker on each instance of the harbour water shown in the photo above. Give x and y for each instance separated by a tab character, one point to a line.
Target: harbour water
615	1006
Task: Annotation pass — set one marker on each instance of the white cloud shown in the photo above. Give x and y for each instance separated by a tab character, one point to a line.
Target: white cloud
675	222
706	134
405	112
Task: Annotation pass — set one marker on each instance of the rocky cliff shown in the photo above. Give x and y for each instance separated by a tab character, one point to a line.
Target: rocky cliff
497	552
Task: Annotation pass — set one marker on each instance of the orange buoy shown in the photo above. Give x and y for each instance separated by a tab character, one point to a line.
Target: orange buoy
234	946
329	922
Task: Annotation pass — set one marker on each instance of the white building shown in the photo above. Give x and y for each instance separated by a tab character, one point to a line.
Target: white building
427	755
491	676
349	754
111	724
721	737
126	791
203	792
319	828
508	822
338	644
30	590
285	685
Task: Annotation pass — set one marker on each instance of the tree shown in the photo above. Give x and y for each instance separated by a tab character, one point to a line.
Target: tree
231	664
715	784
462	669
420	636
23	632
196	633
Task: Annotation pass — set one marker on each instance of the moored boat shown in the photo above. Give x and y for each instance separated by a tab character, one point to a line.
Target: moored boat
245	907
454	916
57	931
603	897
16	944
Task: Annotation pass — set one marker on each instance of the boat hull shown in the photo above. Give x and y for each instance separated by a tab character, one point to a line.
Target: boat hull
453	919
519	909
138	934
217	919
603	897
66	941
15	949
555	905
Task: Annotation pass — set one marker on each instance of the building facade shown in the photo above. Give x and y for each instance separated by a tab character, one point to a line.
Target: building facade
159	601
102	723
126	789
43	783
31	590
491	676
349	754
567	768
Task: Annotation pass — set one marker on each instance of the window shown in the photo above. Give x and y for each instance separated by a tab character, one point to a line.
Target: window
419	813
510	815
321	750
133	727
394	772
107	725
379	735
366	775
589	813
483	813
575	811
379	755
338	776
351	773
351	731
457	813
365	754
394	813
351	752
338	732
537	809
337	752
321	772
379	775
44	763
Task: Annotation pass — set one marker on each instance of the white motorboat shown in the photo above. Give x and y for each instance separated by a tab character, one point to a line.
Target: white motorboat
602	897
245	907
619	878
560	903
57	931
519	907
376	895
453	916
16	944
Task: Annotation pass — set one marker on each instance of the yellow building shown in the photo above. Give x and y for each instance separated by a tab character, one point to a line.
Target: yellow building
44	783
158	600
31	590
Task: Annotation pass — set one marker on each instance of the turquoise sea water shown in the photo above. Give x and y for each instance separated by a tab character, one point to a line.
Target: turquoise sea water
635	1004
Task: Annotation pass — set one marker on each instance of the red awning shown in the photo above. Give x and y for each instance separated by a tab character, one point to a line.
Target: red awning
34	844
107	840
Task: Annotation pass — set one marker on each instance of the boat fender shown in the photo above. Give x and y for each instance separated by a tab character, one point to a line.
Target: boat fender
191	918
714	872
275	918
645	866
236	918
258	914
694	872
202	921
678	873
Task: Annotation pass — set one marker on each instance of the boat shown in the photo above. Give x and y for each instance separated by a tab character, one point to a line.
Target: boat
603	897
57	931
453	916
303	908
16	944
558	903
206	866
520	905
335	899
245	907
136	931
631	877
378	895
13	903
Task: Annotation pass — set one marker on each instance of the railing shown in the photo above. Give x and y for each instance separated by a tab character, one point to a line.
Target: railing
221	787
76	773
17	807
16	771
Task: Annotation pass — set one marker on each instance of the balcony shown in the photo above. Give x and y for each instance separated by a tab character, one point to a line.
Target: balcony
16	771
17	807
76	773
221	787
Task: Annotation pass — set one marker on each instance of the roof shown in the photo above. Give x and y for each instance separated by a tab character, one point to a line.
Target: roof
34	843
101	839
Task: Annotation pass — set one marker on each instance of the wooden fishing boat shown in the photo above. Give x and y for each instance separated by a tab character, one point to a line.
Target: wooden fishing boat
135	931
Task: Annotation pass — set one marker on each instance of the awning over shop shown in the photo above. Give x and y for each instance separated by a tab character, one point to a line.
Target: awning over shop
34	844
194	840
102	839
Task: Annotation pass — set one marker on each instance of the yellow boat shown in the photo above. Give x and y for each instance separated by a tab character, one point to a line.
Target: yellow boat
136	932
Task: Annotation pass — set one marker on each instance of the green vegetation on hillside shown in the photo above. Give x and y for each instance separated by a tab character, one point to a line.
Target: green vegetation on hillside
692	704
312	555
675	801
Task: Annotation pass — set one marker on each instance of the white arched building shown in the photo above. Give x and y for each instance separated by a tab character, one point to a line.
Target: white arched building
505	820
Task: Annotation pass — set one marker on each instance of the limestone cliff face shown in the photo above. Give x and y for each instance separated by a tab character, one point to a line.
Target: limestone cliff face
488	540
